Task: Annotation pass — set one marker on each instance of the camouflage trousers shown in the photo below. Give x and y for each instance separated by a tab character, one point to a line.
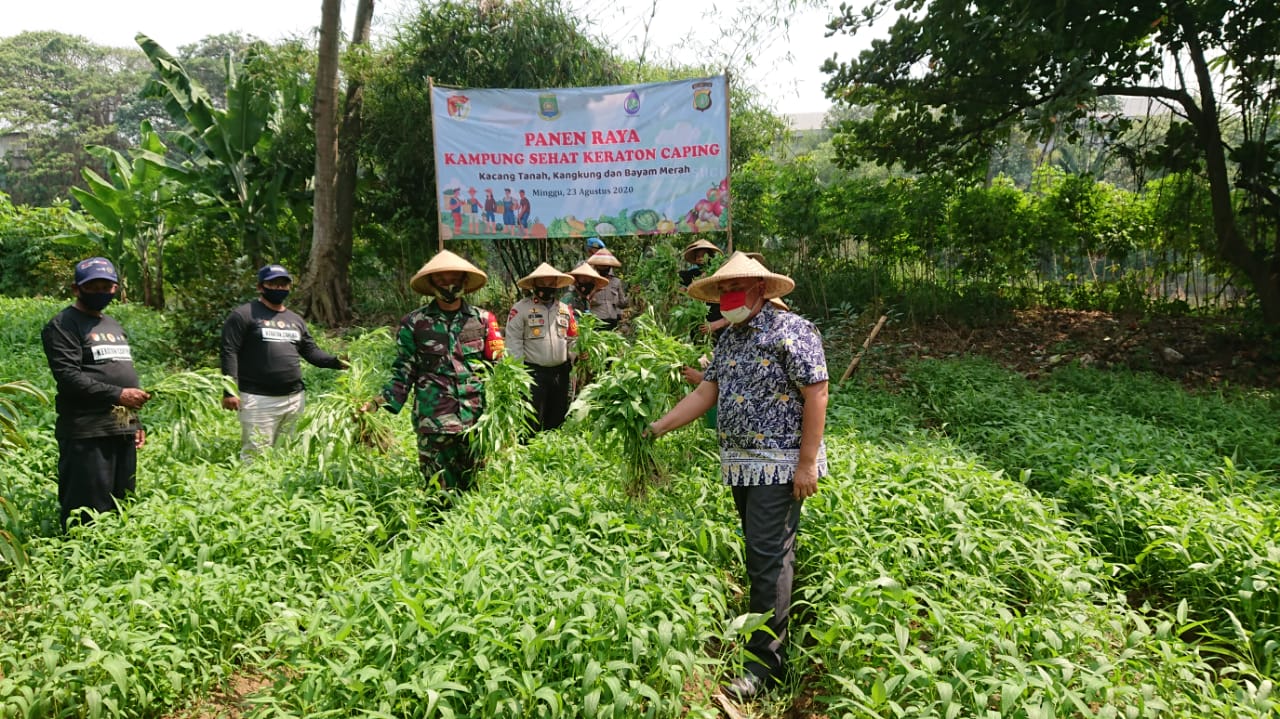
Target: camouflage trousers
447	459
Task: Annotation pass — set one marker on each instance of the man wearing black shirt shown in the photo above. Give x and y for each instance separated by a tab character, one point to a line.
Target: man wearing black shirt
261	344
98	430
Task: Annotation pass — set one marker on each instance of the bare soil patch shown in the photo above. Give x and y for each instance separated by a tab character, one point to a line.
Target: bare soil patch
1202	353
229	702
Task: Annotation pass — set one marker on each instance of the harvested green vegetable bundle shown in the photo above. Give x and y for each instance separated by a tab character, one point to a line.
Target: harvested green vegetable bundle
633	391
338	418
508	410
597	348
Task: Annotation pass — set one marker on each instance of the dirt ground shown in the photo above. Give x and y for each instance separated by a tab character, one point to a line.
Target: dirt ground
1201	353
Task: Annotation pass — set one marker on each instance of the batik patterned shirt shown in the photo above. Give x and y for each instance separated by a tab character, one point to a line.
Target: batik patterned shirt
760	368
438	359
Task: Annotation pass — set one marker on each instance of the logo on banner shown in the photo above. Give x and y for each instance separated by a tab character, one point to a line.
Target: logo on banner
631	105
458	106
548	107
702	96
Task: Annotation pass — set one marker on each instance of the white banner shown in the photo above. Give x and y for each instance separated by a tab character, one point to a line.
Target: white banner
581	162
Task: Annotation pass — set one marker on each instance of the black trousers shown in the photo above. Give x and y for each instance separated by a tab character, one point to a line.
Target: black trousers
93	473
550	395
770	521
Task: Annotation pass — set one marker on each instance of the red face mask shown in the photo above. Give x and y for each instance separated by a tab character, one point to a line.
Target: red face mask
733	300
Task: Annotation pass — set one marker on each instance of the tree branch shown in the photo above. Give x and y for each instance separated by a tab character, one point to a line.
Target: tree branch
1160	93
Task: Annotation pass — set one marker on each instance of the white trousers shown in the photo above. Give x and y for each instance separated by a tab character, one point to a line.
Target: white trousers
264	421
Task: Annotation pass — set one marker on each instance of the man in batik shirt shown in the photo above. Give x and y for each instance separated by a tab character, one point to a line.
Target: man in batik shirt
768	380
440	349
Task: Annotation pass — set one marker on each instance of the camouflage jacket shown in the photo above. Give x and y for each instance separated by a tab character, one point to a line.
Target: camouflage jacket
438	355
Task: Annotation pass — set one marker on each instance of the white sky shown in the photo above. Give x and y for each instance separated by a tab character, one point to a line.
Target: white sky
786	70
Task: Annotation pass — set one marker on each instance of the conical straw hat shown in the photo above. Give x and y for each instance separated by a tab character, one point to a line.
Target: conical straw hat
586	270
698	245
772	300
604	258
446	261
544	271
739	266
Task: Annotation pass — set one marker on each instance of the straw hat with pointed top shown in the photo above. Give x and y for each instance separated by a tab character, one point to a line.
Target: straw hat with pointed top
544	271
446	261
739	267
695	246
604	258
772	300
586	270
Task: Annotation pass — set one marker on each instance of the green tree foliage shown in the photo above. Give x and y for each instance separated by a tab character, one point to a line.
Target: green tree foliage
489	44
35	262
63	92
952	79
231	148
132	206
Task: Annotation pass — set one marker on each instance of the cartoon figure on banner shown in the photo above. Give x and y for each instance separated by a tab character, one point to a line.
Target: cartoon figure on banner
490	210
473	211
525	209
508	212
453	203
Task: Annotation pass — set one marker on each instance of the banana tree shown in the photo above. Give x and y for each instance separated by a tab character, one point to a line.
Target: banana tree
229	149
132	206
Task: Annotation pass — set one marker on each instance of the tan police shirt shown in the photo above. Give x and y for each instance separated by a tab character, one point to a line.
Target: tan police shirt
541	334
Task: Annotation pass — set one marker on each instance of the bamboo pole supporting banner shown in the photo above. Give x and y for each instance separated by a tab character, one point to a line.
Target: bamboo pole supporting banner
857	358
728	226
431	94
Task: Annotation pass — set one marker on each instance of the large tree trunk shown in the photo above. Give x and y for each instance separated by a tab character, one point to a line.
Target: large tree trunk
349	135
1231	247
323	298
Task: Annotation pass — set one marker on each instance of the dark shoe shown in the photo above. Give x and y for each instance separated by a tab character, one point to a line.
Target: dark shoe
744	688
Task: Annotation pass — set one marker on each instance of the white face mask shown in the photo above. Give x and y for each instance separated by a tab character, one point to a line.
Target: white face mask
734	306
737	315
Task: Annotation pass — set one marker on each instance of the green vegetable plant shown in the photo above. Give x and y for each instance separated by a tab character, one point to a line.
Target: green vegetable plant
10	415
636	389
508	414
596	348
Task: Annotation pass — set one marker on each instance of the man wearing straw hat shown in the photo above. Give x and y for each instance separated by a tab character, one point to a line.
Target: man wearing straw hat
586	283
541	331
609	302
768	379
440	347
697	254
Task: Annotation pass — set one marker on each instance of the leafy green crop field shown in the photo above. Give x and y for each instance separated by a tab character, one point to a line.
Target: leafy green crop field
1091	544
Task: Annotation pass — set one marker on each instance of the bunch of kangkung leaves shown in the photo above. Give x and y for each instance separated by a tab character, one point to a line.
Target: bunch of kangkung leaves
508	411
633	391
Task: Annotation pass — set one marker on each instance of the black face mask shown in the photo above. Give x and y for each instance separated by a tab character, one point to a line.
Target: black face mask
96	301
605	271
275	297
448	293
585	288
544	294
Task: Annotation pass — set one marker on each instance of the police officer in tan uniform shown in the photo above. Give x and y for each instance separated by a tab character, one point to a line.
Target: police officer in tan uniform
541	330
608	302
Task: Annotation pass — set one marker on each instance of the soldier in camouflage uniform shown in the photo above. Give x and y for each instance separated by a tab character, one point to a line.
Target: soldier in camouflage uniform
440	347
